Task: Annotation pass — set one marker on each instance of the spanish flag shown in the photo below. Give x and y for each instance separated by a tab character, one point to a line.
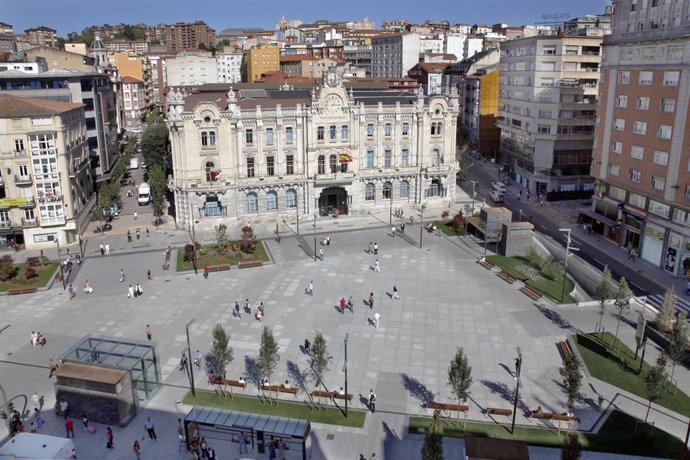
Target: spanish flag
344	158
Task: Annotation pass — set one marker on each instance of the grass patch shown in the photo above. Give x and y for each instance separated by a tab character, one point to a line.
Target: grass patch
609	360
448	229
546	286
44	272
208	255
620	434
331	416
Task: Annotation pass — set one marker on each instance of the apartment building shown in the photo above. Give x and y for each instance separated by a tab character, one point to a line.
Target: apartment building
187	35
394	55
191	68
53	58
138	46
42	36
262	59
481	110
45	179
134	102
548	93
230	66
262	154
642	150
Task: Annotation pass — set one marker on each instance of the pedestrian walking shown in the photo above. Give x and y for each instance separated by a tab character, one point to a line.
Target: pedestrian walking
85	422
150	428
107	249
395	293
376	248
130	292
136	449
129	236
351	305
109	438
402	227
377	266
138	234
371	300
64	407
148	275
135	215
72	294
372	401
148	332
310	289
519	195
102	249
52	365
328	240
203	446
633	254
122	275
197	359
210	453
343	304
205	271
370	248
236	310
38	419
518	366
247	307
147	232
244	441
377	318
69	427
393	231
321	254
527	195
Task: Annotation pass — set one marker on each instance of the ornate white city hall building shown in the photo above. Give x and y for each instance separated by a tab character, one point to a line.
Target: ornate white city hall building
272	154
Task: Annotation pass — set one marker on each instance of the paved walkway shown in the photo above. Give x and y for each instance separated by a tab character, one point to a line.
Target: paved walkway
447	301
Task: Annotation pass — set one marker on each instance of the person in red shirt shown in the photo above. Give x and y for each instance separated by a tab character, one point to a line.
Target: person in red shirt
69	427
343	304
109	438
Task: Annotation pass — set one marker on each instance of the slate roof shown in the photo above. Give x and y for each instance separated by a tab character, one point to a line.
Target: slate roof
20	107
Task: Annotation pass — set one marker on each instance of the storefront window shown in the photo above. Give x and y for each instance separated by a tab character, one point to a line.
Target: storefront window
671	258
616	193
660	209
637	200
653	243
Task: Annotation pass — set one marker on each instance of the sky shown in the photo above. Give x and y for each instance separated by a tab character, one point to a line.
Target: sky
74	15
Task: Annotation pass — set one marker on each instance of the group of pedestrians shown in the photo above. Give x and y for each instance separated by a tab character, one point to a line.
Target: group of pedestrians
259	314
104	248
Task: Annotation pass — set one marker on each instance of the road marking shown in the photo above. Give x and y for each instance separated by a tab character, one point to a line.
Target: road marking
636	285
598	261
543	227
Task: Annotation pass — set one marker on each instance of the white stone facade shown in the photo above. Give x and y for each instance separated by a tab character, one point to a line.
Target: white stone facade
191	69
392	56
229	67
275	154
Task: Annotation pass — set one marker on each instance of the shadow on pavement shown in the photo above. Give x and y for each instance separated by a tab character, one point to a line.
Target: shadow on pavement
417	388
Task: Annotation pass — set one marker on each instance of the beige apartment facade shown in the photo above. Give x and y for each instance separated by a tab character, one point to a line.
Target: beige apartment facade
642	150
262	59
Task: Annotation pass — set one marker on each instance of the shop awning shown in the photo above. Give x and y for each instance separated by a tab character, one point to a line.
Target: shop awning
344	158
596	216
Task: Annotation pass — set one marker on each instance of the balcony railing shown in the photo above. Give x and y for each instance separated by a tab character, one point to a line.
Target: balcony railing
30	203
5	224
29	222
24	179
53	221
334	177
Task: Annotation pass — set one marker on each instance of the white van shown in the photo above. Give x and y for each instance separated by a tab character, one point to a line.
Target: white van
499	187
39	446
144	197
134	163
496	196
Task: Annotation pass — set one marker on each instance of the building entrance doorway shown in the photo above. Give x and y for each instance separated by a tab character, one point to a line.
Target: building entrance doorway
333	201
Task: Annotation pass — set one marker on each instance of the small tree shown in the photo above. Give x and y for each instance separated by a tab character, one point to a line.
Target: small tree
572	379
7	268
433	439
189	251
248	241
458	221
622	301
664	320
222	236
571	449
320	359
603	293
158	187
656	382
220	349
268	354
460	375
678	341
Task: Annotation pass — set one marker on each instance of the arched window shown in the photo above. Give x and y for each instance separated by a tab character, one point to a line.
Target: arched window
322	165
370	193
404	189
291	198
436	158
252	202
211	173
387	190
333	161
271	200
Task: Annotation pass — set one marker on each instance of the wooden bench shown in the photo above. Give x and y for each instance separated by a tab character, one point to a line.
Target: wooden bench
457	408
343	397
218	268
434	405
322	394
541	415
22	290
228	383
531	293
486	263
498	411
504	275
250	264
564	348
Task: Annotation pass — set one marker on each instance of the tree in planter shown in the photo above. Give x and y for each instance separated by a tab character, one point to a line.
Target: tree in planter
678	341
572	379
622	300
664	320
268	354
433	439
222	237
221	349
320	359
189	252
602	294
7	268
458	221
248	241
571	449
460	375
158	187
656	382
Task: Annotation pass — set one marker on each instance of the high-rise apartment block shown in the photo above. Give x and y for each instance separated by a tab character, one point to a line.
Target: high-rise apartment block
392	56
262	59
548	91
42	36
642	151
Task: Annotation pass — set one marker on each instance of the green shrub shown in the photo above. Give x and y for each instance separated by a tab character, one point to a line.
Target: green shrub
189	252
7	268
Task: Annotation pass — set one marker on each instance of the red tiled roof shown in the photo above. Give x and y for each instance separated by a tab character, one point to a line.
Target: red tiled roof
130	80
18	107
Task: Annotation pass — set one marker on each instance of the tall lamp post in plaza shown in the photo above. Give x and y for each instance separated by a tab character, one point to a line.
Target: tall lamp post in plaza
192	235
421	230
62	267
390	207
347	337
189	362
568	248
518	372
314	237
297	212
474	193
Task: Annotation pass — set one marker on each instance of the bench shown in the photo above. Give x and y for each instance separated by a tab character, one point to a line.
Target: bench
22	290
343	397
531	293
434	405
250	264
498	411
564	348
322	394
448	407
218	268
504	275
486	263
228	383
541	415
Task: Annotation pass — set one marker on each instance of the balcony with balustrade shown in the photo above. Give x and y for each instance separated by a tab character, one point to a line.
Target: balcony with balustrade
23	179
29	223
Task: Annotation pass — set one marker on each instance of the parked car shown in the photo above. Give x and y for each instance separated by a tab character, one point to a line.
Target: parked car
104	228
499	187
496	196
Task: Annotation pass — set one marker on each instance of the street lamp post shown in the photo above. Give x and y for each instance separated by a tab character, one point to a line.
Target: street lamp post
390	207
190	362
314	237
192	235
568	248
297	212
62	267
518	372
421	230
347	337
474	193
